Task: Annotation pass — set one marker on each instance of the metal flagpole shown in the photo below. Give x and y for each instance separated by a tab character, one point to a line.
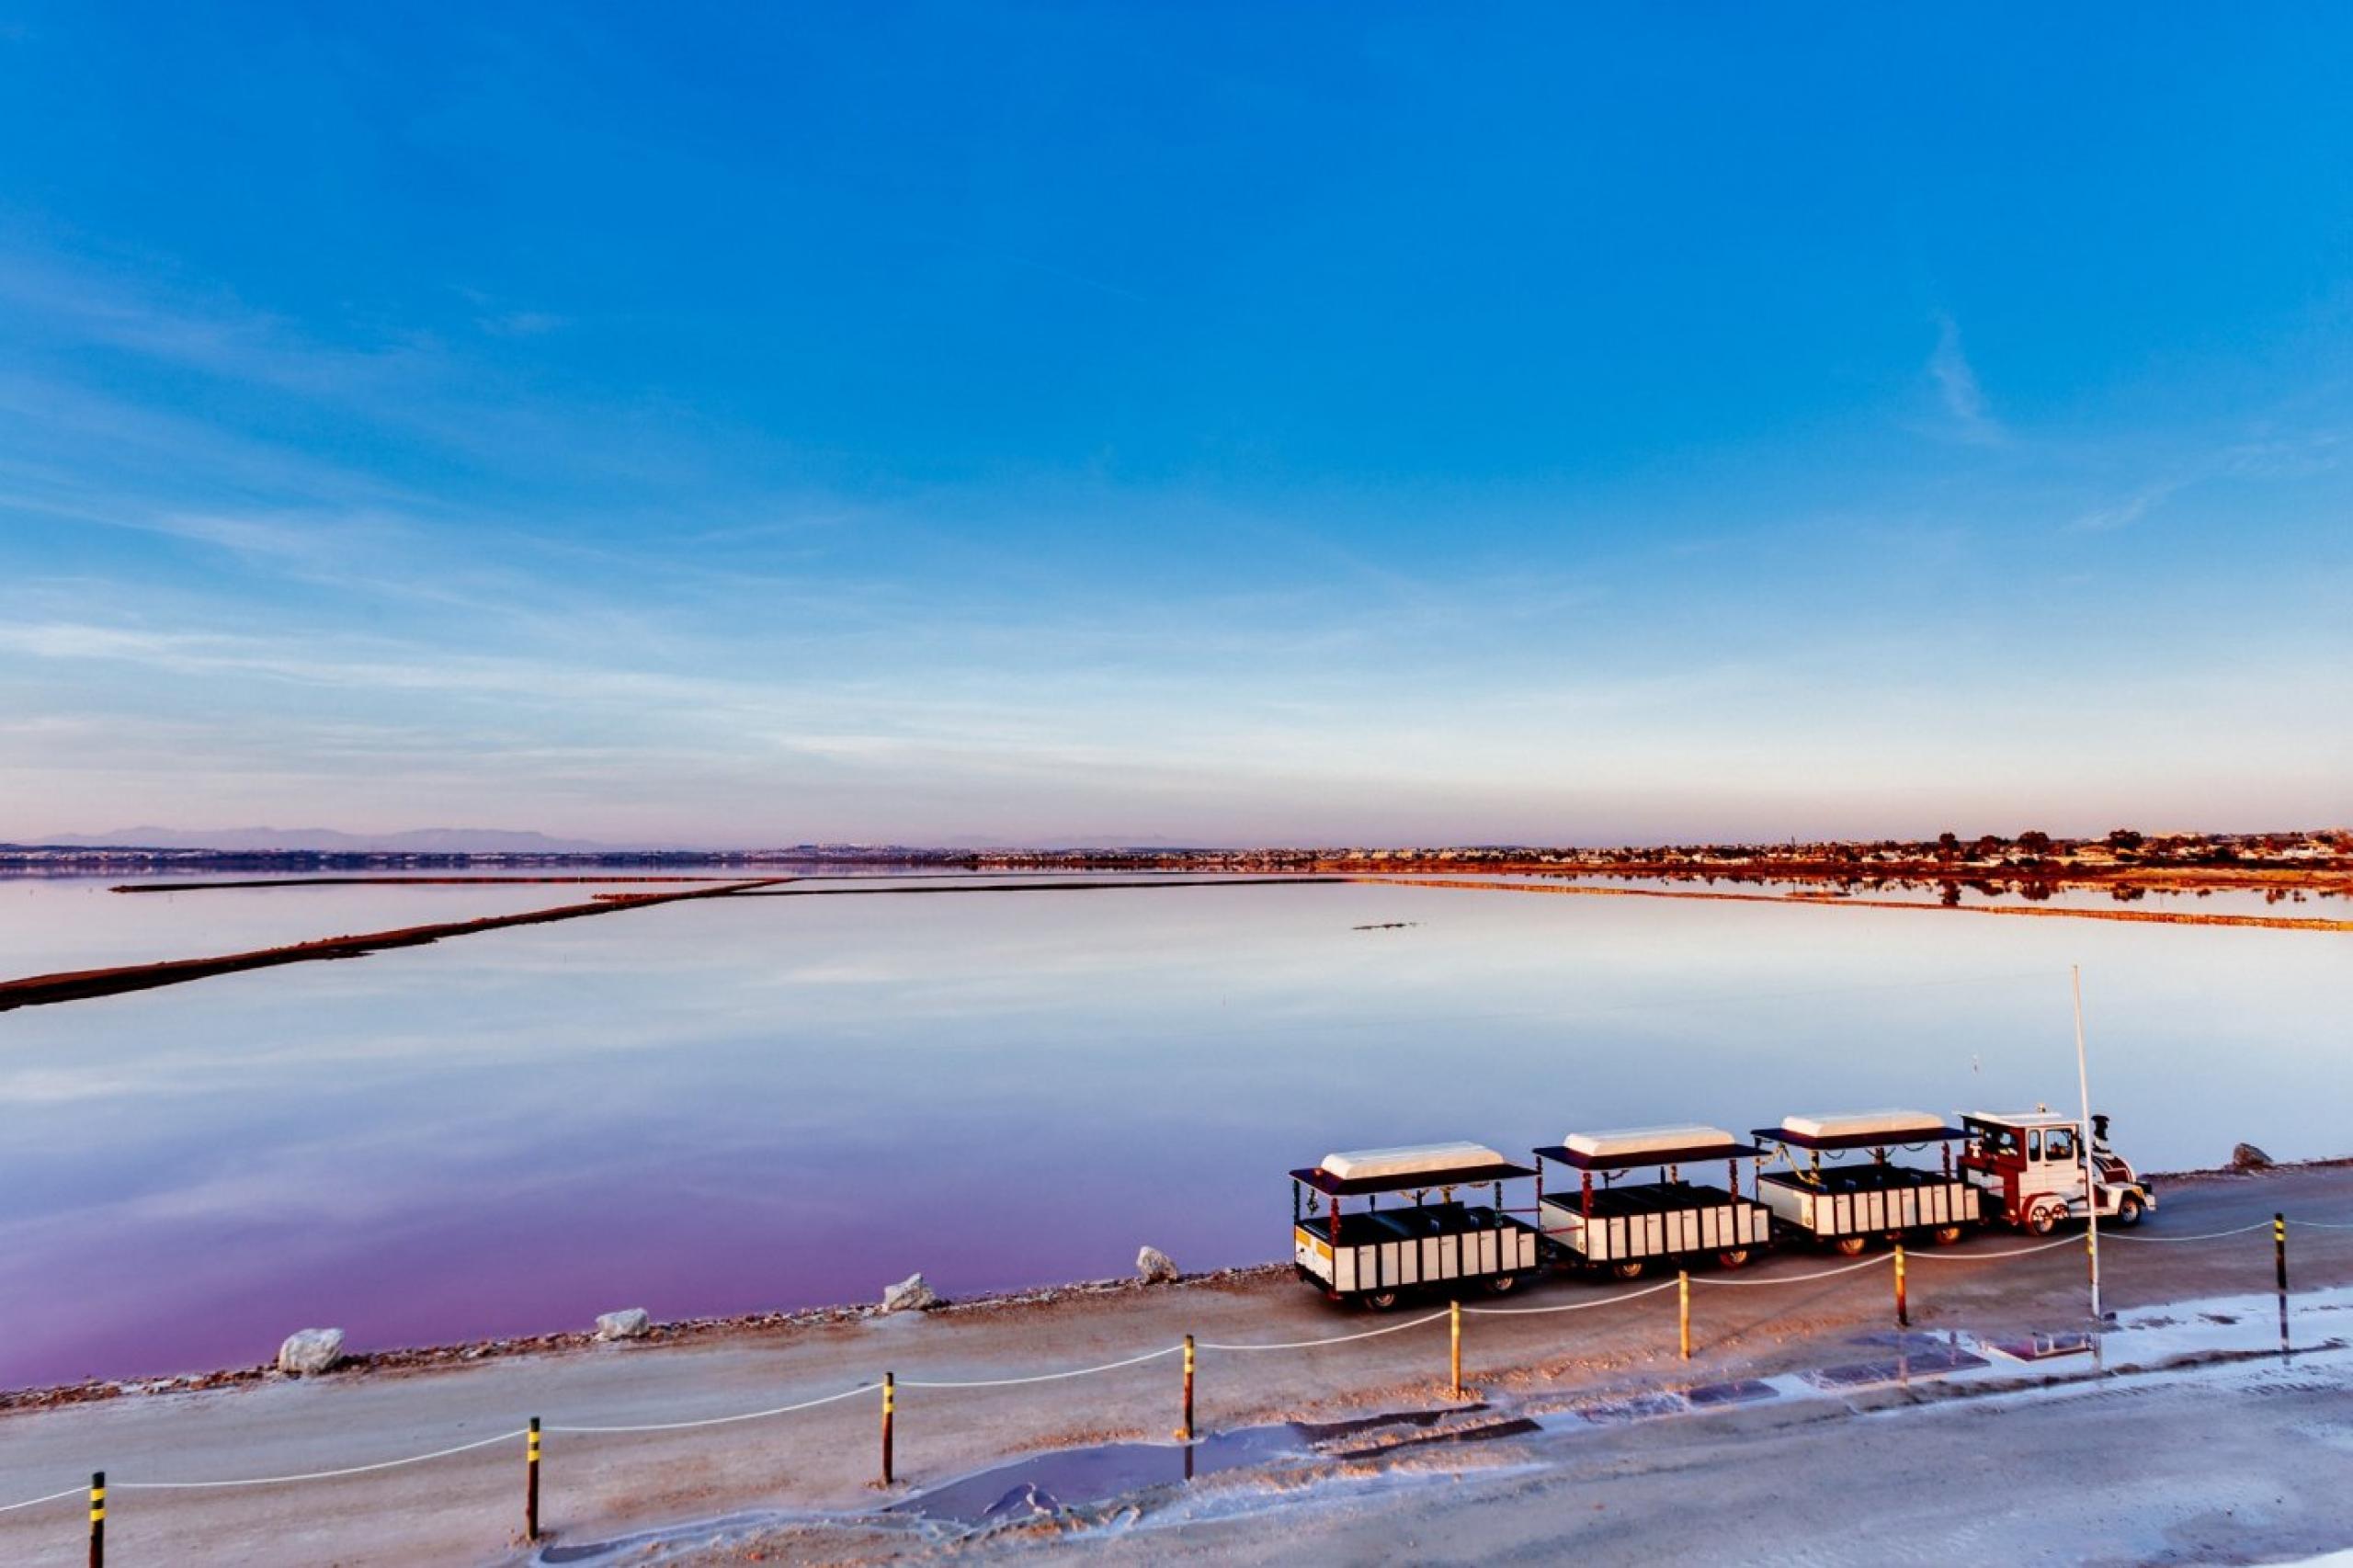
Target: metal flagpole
2091	1193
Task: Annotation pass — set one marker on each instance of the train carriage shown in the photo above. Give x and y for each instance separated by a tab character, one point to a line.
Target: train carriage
1845	1204
1376	1256
1625	1228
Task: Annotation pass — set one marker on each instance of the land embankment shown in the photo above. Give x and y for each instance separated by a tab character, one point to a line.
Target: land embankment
1780	1319
78	985
1846	901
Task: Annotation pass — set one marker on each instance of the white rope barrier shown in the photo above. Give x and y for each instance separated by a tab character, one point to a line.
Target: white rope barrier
312	1475
2114	1235
1149	1356
1043	1377
719	1420
1575	1306
1989	1257
1335	1339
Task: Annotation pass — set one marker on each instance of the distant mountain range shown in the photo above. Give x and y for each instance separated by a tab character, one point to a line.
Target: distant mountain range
421	841
501	841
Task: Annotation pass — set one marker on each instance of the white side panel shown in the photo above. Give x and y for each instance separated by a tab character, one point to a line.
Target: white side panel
1795	1207
1566	1226
1311	1254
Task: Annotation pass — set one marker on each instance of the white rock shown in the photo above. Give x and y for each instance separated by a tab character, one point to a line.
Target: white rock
311	1350
1155	1265
909	1295
630	1322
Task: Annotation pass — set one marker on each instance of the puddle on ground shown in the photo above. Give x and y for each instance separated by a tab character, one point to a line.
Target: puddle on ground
2042	1347
1045	1484
1052	1484
1635	1407
1512	1426
1356	1426
1927	1362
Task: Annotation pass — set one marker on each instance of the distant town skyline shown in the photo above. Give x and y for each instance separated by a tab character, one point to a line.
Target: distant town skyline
994	426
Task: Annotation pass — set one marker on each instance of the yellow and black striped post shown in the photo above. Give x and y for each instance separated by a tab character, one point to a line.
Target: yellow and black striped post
1903	1306
890	1407
1454	1346
1683	1308
2279	1268
97	1519
531	1482
1185	1428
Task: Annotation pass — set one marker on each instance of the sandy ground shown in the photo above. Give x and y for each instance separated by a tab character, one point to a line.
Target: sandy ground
2252	1468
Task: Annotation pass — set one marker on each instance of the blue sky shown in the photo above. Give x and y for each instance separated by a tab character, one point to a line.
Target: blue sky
1217	423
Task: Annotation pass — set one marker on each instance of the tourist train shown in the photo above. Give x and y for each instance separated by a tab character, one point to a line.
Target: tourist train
2029	1170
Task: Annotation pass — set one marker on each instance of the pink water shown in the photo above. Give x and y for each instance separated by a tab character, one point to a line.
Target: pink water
754	1104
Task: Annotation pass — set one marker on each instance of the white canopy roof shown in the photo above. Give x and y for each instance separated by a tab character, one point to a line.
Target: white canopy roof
1411	1159
2022	1117
1895	1124
1645	1141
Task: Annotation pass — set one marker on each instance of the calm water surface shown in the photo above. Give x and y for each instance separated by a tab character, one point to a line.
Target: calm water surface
757	1103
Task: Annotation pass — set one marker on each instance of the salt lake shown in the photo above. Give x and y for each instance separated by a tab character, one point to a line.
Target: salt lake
759	1103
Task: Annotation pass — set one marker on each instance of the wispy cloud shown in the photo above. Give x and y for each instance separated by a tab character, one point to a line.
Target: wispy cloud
2127	512
1956	380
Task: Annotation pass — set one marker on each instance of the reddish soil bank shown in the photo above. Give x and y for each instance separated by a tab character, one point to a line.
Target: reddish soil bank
392	882
82	984
2157	916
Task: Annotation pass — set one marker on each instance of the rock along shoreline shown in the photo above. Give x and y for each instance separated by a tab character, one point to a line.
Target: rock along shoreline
684	1331
688	1331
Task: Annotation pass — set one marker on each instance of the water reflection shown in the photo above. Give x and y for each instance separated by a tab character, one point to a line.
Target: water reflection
724	1106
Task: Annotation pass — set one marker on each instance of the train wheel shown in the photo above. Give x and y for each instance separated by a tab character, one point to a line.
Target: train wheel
1945	1235
1732	1257
1627	1268
1379	1300
2128	1209
1503	1284
1851	1246
2042	1219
